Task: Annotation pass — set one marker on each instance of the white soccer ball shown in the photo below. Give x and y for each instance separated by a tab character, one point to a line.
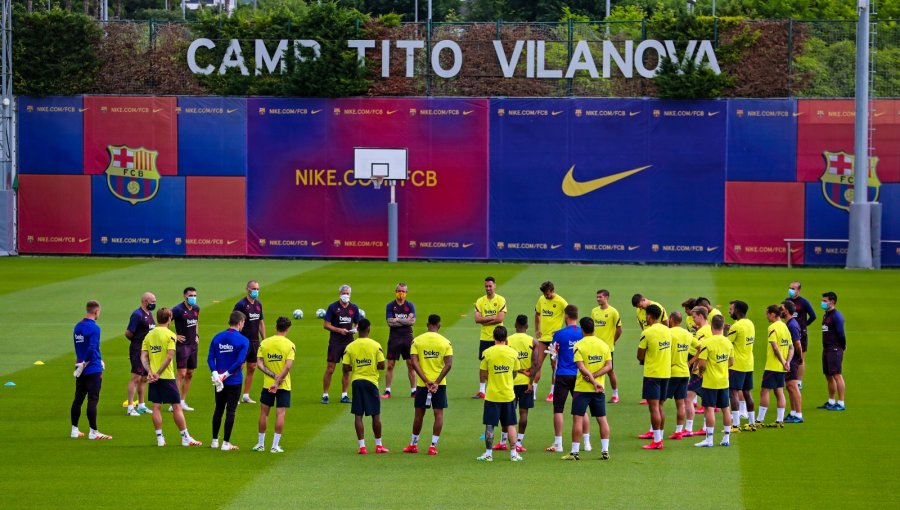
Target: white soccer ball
320	313
298	314
362	313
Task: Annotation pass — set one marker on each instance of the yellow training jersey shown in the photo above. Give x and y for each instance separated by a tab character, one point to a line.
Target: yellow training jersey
158	343
605	324
742	335
490	308
275	351
524	345
363	355
717	352
689	323
552	314
642	314
431	348
681	340
657	341
501	362
779	334
702	334
713	313
594	353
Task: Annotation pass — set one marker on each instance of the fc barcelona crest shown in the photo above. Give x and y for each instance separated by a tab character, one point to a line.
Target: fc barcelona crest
837	179
131	174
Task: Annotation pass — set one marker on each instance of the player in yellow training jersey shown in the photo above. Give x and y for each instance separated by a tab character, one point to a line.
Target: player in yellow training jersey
778	359
548	319
525	345
490	311
640	304
688	305
678	383
592	357
274	359
698	313
608	327
499	365
655	353
431	356
742	335
362	360
714	360
158	358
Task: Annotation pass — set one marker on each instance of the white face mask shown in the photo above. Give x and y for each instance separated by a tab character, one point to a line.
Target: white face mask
345	298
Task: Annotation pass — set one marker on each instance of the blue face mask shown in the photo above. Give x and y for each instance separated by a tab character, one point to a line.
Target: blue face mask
792	293
192	300
151	306
824	305
254	294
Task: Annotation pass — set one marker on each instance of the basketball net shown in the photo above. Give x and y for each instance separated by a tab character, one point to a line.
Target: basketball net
377	181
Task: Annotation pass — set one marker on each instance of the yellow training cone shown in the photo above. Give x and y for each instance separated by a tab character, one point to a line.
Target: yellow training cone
38	362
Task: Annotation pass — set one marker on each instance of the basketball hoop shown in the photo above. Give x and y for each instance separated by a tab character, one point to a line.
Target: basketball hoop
377	181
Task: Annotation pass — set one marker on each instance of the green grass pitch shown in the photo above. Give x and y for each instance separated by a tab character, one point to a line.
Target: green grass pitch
847	459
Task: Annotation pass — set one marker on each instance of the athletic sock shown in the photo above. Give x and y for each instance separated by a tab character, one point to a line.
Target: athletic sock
412	391
604	445
557	441
325	394
488	453
159	433
831	401
378	441
727	431
689	425
130	408
535	389
752	419
761	414
799	415
840	402
709	433
434	440
387	390
362	443
520	438
657	436
512	453
616	393
276	439
779	414
414	440
481	387
75	429
343	394
679	428
576	447
184	434
504	437
262	438
183	403
586	439
246	396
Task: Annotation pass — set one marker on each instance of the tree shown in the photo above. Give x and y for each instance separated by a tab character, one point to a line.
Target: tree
688	80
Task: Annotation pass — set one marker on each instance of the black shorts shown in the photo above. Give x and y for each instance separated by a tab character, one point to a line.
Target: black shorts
134	356
655	388
740	381
713	398
186	356
772	380
252	351
398	348
565	385
804	341
366	401
583	400
523	400
695	383
89	385
438	398
336	350
281	398
832	361
163	391
677	388
793	369
482	345
503	412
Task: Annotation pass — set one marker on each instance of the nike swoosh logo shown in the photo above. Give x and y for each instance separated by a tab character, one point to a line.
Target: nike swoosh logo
711	114
157	241
554	246
83	239
468	112
391	112
573	188
797	114
316	111
632	114
879	114
795	250
83	109
632	248
231	110
555	113
712	248
157	110
316	243
231	242
468	245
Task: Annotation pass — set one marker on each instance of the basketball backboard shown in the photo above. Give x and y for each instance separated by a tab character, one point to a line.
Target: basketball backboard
372	163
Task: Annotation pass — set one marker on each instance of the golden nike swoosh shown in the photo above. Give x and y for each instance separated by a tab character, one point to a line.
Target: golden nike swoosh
229	243
316	243
555	113
391	112
879	114
797	114
632	114
554	246
468	112
157	110
468	245
316	111
573	188
83	239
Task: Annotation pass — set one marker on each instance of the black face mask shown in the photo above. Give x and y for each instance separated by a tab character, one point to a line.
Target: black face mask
151	306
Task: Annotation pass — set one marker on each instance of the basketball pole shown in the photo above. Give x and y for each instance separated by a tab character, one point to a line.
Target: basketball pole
859	250
392	224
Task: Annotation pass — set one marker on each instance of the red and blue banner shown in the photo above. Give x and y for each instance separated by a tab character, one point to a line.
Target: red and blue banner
607	180
762	140
304	201
50	135
45	225
212	136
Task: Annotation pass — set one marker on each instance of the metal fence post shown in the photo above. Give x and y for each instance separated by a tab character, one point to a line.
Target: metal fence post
644	29
428	59
790	56
715	32
569	50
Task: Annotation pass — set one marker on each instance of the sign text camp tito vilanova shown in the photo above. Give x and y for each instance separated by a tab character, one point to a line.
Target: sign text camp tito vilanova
627	56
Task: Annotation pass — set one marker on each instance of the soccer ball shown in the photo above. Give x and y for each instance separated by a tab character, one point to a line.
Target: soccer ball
320	313
362	313
298	314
